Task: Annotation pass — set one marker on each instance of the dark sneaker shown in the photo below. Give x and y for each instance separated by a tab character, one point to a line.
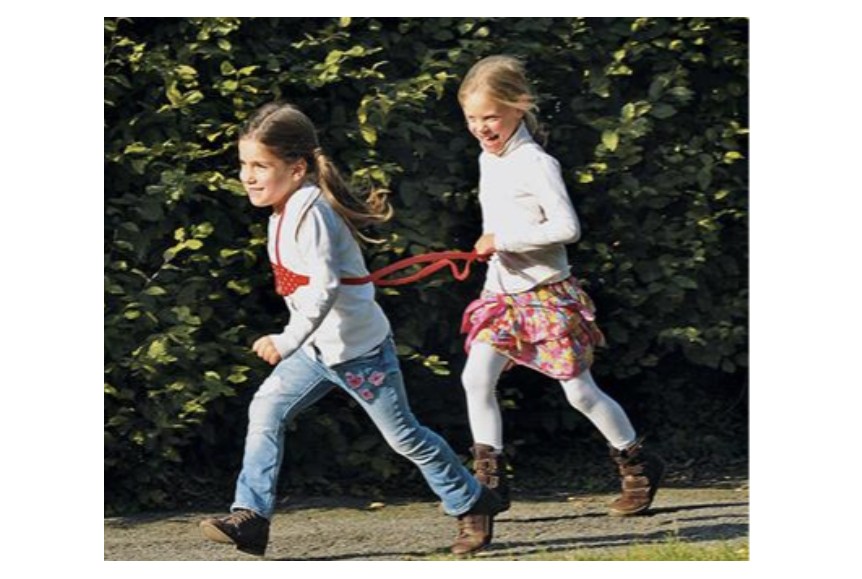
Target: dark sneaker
476	526
243	528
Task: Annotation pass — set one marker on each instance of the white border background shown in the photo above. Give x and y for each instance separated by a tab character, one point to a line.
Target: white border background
805	312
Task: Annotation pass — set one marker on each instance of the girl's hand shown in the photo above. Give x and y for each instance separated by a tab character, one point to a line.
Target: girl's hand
265	348
485	245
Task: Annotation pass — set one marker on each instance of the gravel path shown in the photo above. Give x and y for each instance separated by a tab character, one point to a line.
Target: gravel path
354	530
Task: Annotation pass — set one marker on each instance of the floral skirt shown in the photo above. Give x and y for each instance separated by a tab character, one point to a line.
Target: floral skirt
551	328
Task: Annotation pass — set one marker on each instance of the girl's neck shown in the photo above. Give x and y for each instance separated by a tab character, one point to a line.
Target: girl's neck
278	208
511	140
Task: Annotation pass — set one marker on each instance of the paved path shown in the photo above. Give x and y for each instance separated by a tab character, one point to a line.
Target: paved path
356	530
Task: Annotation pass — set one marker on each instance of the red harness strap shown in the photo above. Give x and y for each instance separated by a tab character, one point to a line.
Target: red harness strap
436	261
287	281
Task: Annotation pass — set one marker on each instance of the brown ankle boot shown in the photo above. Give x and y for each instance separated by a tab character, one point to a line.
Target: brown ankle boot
489	468
641	474
476	526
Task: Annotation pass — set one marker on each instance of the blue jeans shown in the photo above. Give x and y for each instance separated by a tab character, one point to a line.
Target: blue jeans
376	383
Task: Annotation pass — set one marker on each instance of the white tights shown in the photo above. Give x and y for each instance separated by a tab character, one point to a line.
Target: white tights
480	376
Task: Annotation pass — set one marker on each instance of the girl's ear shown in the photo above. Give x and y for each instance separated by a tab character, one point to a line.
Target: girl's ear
299	169
526	105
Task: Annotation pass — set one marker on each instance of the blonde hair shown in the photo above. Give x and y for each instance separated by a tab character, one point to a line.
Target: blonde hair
290	135
504	79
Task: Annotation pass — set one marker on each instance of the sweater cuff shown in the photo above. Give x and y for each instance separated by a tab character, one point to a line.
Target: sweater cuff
284	343
501	243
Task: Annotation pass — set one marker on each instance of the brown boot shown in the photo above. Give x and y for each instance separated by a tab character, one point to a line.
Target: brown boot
641	474
476	527
489	468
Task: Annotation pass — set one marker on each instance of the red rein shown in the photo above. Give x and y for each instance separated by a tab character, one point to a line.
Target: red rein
436	262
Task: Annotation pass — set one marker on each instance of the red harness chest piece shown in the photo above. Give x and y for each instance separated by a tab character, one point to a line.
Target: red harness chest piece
287	281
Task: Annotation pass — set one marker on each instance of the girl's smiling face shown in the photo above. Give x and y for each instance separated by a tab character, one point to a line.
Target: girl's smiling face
268	180
491	122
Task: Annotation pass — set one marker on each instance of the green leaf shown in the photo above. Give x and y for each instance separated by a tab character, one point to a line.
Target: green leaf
193	97
203	230
227	68
685	282
136	147
186	72
241	287
238	374
155	290
369	134
663	111
610	139
175	97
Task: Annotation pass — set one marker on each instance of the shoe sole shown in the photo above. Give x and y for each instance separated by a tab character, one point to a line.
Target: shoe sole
473	551
213	533
481	547
640	511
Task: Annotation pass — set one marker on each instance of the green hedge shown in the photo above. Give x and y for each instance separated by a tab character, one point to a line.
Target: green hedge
648	118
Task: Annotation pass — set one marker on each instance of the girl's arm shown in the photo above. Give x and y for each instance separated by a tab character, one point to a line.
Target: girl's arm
560	223
316	243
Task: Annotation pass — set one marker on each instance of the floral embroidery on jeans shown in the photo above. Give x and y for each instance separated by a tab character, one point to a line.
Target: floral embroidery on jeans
365	382
354	380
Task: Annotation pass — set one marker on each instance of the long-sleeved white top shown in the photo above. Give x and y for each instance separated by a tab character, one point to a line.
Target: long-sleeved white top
340	322
526	206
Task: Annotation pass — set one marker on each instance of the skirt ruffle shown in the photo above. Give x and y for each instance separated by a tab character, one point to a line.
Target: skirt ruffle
551	329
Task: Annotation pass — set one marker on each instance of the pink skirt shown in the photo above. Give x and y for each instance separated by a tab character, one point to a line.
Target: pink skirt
551	328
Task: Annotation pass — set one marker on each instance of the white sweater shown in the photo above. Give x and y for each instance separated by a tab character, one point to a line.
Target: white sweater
526	206
341	322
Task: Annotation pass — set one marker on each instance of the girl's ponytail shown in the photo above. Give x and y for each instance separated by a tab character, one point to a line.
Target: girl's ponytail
537	130
356	212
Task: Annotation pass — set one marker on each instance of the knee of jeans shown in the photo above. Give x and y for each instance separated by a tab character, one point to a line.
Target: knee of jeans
265	408
407	441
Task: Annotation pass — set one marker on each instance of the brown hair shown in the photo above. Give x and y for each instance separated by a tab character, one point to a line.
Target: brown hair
290	135
505	81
